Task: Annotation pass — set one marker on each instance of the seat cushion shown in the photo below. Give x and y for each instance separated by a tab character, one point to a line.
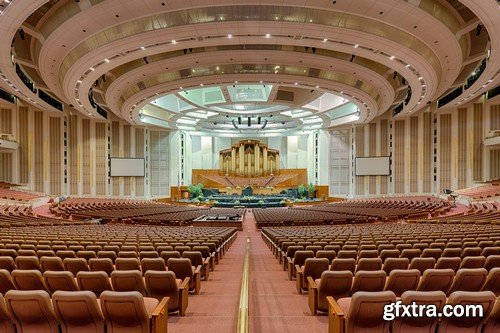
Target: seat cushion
150	304
344	304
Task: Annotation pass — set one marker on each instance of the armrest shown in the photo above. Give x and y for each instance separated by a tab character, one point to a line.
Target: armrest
313	295
298	269
206	261
335	316
197	280
159	317
299	279
185	284
197	270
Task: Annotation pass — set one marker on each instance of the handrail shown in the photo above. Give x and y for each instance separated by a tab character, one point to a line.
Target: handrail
243	309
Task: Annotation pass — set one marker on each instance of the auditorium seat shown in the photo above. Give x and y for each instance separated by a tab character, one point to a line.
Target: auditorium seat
7	263
493	281
101	264
130	312
32	311
368	281
448	262
401	280
31	279
165	255
56	280
198	260
424	323
127	264
313	267
75	265
362	312
78	311
391	264
6	282
492	261
336	284
422	264
128	281
28	262
290	253
369	264
86	254
343	264
6	321
153	264
467	324
183	269
473	262
96	282
162	284
469	279
299	258
492	323
436	279
206	254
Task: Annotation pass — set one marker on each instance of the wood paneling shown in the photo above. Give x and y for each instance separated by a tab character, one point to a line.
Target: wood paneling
445	151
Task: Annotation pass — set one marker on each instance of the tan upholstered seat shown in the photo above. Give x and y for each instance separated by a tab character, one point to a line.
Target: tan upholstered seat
368	281
361	313
422	264
51	264
469	279
96	282
30	279
182	268
28	262
6	282
343	264
493	281
32	311
153	264
424	323
448	262
313	267
468	324
128	281
492	324
401	280
436	279
60	280
198	260
369	264
162	284
336	284
473	262
127	264
7	263
78	311
391	264
101	264
130	312
299	258
6	322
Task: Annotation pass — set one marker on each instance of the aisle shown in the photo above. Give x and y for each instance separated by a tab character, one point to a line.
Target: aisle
215	309
275	305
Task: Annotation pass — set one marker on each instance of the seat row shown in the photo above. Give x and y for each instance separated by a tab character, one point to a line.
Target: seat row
81	311
338	284
368	311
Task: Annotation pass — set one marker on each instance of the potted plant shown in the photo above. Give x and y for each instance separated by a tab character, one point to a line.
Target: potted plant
301	190
312	190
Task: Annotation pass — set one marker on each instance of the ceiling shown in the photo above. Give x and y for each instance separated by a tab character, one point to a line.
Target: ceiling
200	67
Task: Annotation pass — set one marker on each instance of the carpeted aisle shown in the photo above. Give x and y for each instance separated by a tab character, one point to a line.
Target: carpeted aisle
275	306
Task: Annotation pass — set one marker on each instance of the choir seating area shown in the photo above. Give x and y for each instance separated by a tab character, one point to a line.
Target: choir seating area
482	192
477	213
6	193
345	268
354	211
23	216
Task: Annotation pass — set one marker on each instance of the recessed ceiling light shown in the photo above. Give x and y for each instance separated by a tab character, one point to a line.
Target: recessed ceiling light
201	84
268	35
92	68
229	36
392	57
317	87
143	48
325	40
106	60
174	41
407	66
356	46
296	83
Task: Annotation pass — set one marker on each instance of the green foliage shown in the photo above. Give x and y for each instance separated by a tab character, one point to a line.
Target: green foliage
261	202
196	191
301	190
311	189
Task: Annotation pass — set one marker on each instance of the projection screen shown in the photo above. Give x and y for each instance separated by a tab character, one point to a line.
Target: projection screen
127	167
373	166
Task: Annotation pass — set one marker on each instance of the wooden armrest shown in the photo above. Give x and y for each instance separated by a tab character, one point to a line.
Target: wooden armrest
334	307
185	284
298	269
311	283
159	317
206	261
197	270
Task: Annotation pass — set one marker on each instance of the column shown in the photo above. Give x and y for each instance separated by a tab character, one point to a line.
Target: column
257	155
232	169
221	162
249	162
277	166
264	159
241	171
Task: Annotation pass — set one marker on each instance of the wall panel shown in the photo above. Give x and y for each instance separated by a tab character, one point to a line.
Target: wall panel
398	157
445	151
55	161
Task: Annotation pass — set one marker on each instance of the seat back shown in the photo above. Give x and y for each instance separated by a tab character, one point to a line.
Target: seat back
473	262
333	283
165	255
75	265
6	322
195	257
436	279
86	254
127	264
60	280
51	264
469	279
299	257
493	281
343	264
391	264
486	299
369	264
328	254
492	262
410	253
366	311
422	264
128	281
163	284
6	282
30	279
7	263
101	264
28	262
492	323
181	267
96	282
153	264
124	312
368	281
401	280
424	323
31	311
78	311
448	262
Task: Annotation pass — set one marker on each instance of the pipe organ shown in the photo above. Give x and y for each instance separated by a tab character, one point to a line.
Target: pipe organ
249	158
